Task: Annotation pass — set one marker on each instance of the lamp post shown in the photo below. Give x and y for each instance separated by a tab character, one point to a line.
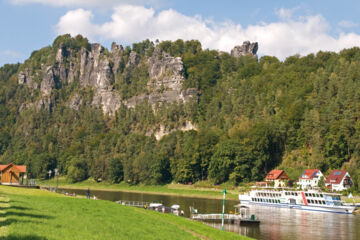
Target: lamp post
49	172
57	177
223	209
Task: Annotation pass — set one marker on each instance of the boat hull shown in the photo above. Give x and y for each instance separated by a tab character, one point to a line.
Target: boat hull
329	209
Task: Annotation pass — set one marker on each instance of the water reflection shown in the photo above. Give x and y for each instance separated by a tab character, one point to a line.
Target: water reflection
275	223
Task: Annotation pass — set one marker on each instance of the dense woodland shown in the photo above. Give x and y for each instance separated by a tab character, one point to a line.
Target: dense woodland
252	115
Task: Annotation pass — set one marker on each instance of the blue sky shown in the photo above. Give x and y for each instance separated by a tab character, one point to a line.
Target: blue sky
282	28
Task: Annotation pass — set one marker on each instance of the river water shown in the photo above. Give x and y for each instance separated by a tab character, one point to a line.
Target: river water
276	223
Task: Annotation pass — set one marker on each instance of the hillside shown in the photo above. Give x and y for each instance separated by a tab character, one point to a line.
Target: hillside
172	111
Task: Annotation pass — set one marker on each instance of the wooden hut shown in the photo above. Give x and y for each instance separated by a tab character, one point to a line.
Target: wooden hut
12	174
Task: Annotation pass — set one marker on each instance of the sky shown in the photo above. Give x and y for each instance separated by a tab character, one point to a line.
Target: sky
282	28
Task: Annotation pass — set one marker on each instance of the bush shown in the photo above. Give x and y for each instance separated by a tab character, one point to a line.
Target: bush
78	170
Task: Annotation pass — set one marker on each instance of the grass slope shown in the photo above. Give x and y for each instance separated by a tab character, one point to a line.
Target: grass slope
36	214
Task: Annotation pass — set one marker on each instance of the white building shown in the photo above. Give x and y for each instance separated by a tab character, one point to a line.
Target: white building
310	178
339	180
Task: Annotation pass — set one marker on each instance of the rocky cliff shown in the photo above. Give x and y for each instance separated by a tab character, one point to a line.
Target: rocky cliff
246	49
94	67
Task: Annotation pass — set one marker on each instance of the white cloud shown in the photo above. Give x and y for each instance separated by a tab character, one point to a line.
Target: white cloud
78	22
86	3
285	13
347	24
10	54
286	37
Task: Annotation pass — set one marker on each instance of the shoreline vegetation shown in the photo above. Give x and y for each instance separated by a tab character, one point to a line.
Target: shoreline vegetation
47	215
202	189
198	190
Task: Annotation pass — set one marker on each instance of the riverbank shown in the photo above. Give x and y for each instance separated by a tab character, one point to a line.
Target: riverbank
37	214
199	190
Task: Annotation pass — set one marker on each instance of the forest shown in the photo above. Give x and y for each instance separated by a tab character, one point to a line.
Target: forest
252	114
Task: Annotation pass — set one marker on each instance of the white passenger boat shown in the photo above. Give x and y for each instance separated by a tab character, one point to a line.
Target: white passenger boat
303	200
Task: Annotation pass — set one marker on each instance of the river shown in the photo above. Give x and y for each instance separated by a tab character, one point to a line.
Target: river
275	223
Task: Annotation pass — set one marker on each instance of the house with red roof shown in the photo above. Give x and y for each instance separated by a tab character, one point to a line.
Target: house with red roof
339	180
310	178
279	177
12	174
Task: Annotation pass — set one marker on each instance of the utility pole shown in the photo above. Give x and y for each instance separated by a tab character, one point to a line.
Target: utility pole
223	209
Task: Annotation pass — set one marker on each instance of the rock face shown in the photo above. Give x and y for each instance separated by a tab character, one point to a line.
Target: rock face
166	79
163	131
117	56
246	49
94	71
97	68
134	59
48	82
24	77
166	72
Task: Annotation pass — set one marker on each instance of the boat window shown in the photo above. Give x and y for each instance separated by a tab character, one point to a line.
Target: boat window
306	194
323	202
321	195
316	201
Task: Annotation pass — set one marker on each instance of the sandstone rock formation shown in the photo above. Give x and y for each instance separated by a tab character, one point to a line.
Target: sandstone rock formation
246	49
166	81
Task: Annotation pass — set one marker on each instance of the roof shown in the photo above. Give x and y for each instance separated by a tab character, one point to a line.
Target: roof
309	173
21	168
276	174
336	176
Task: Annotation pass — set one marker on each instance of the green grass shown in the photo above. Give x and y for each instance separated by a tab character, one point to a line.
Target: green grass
200	189
37	214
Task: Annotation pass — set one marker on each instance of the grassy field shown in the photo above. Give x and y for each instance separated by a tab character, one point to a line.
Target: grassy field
201	189
37	214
